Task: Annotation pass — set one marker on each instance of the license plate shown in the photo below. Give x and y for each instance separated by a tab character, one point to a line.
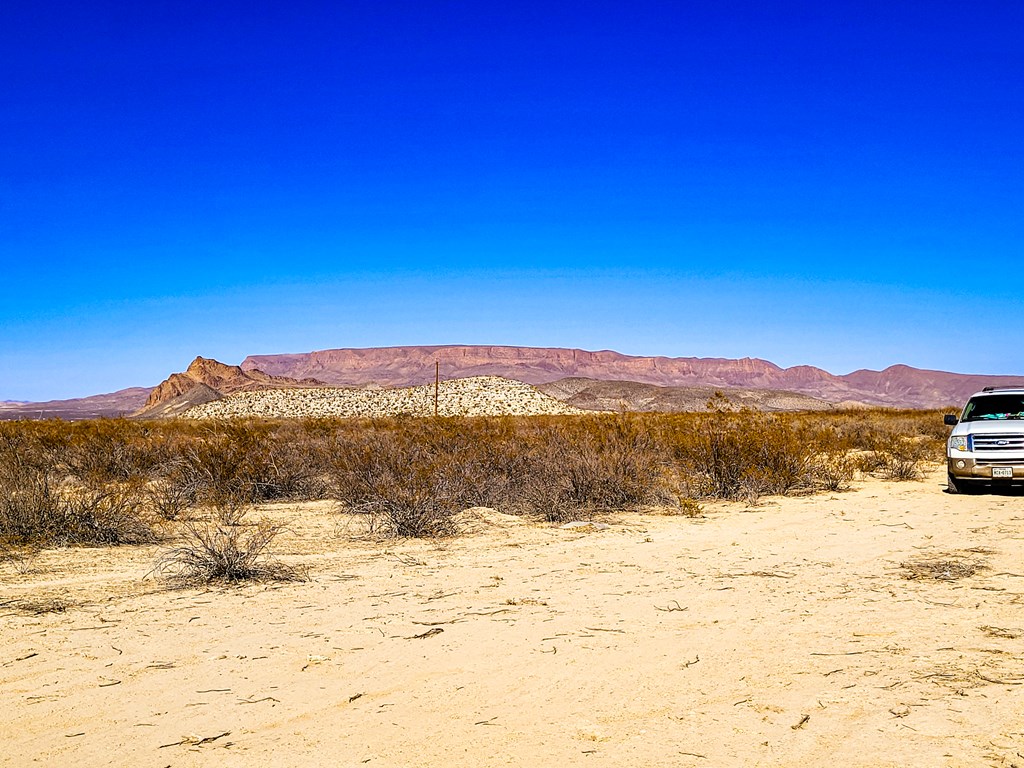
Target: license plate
1002	471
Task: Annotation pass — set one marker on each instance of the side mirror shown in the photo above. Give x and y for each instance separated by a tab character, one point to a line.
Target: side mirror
950	420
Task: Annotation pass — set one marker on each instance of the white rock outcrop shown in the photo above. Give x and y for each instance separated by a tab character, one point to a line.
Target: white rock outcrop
475	396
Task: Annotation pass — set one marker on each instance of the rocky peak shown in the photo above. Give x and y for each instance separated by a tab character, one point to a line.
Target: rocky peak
213	378
213	373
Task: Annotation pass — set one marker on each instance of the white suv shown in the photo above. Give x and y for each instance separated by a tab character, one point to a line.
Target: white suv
986	446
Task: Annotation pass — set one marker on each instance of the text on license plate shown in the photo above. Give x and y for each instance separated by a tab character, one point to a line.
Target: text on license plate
1002	471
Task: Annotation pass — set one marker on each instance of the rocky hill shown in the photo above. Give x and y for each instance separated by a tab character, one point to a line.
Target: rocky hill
206	380
595	395
897	386
477	396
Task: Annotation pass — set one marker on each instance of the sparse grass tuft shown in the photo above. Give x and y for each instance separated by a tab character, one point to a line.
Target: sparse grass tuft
1002	632
39	607
950	567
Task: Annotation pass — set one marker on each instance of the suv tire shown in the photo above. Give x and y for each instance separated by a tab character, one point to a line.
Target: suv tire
958	486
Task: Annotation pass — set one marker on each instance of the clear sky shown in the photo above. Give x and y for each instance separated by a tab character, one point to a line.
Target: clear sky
836	184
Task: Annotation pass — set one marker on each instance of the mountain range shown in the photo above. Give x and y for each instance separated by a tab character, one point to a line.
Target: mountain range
598	380
896	386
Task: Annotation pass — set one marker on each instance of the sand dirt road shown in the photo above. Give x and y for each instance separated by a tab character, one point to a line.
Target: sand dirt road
780	635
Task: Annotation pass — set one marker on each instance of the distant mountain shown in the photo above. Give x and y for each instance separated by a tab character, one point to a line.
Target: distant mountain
120	403
602	380
897	386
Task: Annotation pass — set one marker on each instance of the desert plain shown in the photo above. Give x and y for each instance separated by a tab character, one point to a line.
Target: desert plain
880	626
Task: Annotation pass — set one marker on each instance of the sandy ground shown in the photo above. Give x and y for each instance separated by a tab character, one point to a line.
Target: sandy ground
779	635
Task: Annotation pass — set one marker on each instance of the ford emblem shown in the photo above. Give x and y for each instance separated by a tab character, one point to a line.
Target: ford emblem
1002	442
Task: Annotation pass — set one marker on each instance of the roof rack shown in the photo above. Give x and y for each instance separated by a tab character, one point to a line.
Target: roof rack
1001	389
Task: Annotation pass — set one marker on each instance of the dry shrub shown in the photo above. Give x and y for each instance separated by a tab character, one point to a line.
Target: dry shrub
235	462
744	454
576	468
688	507
107	480
833	470
21	557
404	487
30	507
173	491
39	505
106	514
411	477
893	444
111	450
730	453
902	459
227	549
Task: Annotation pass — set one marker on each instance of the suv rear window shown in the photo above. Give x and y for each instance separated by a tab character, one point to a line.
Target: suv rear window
994	407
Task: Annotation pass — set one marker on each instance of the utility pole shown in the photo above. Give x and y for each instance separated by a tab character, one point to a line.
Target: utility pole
437	383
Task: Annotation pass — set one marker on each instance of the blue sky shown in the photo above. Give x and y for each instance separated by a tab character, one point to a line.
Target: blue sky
834	184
